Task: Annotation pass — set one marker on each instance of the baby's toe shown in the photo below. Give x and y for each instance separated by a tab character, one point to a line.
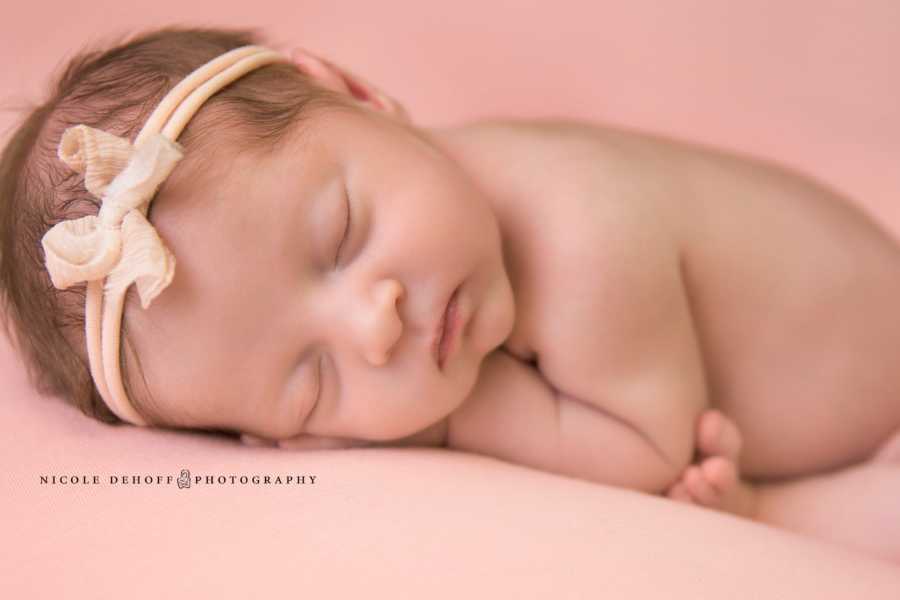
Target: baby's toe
709	430
721	473
699	488
679	492
717	435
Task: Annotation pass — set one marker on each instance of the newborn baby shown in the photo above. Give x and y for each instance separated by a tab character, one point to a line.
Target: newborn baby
598	303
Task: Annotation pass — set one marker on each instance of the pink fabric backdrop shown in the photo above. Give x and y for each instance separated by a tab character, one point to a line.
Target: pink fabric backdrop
811	83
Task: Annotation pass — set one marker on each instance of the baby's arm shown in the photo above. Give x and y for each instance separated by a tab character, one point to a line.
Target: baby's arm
619	381
433	436
515	415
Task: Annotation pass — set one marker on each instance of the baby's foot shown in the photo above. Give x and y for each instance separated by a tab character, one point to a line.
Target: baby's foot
714	481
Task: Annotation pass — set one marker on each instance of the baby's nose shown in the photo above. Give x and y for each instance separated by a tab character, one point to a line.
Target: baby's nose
383	328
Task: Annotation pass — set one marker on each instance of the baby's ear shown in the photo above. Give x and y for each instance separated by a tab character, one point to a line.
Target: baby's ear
341	80
305	441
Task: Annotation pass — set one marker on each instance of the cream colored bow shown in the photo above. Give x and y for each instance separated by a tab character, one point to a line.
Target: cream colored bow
119	242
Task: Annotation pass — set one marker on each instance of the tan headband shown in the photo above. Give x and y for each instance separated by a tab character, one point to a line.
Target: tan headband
119	245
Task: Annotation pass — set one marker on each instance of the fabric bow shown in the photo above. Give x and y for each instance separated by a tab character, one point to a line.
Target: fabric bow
119	242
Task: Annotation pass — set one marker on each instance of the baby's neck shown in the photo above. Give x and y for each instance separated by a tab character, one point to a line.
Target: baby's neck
482	151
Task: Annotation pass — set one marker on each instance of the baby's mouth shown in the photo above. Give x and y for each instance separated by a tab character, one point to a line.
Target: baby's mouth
446	331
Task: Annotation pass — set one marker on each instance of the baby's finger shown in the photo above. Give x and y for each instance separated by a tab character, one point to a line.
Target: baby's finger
252	440
318	442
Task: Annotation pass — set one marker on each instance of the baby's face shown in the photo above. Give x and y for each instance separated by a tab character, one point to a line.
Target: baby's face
264	331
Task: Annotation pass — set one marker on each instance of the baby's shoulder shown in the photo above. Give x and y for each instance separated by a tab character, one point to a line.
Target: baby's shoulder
583	229
534	139
554	158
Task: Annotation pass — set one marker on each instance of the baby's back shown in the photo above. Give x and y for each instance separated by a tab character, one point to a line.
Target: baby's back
796	295
793	292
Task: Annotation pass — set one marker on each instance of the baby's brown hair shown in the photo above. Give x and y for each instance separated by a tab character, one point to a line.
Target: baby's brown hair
116	89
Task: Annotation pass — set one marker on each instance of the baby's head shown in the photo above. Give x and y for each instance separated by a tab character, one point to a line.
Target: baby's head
318	236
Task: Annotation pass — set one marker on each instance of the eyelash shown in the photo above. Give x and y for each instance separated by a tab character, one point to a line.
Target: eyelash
346	234
337	256
316	396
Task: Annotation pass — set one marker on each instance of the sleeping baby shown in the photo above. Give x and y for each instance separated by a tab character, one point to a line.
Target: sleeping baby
313	270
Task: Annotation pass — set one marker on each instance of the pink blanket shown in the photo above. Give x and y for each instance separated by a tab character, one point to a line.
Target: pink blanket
91	511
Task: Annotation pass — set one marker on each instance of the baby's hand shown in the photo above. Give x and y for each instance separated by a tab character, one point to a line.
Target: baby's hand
714	481
433	436
306	442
